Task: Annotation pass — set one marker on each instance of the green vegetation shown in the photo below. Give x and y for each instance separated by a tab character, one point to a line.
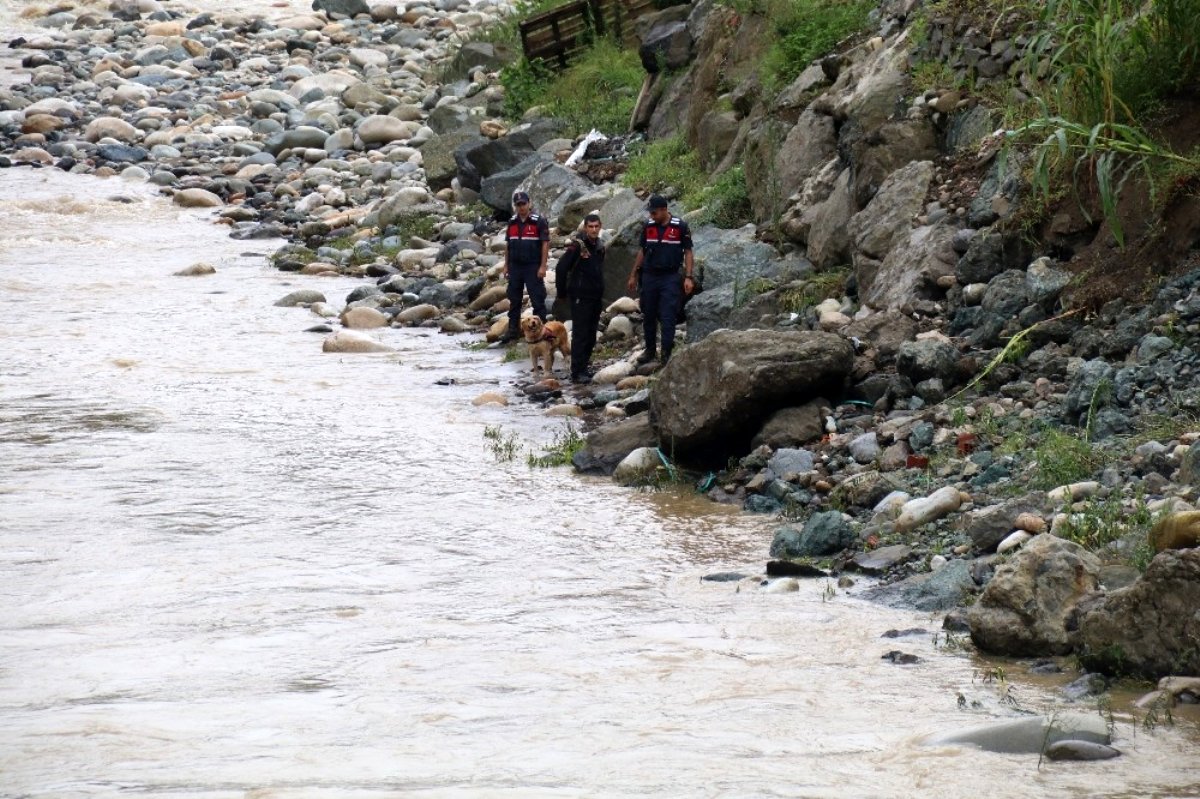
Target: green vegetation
1062	458
671	166
1111	64
1103	521
667	164
598	91
561	449
503	446
804	30
821	286
727	200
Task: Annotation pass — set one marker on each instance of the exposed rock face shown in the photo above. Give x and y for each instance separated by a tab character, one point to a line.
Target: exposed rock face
1024	608
1151	628
713	396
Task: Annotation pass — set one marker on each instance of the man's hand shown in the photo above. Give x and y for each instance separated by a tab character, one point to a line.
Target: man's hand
542	272
631	285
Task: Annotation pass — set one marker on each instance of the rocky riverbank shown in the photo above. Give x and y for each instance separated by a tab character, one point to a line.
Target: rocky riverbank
938	415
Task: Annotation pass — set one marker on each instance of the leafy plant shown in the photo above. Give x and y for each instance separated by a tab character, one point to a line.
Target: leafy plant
1062	458
1108	152
1110	61
561	449
502	446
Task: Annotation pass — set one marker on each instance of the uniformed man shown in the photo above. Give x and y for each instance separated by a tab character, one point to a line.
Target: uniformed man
528	238
666	247
580	278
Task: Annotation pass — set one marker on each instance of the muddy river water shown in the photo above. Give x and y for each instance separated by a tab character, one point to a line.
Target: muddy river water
233	566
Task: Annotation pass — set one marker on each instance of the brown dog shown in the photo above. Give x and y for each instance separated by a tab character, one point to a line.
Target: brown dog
543	339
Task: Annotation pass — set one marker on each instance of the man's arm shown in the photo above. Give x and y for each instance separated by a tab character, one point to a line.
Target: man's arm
631	284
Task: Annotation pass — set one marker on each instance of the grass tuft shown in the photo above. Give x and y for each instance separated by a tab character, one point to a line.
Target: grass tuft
561	449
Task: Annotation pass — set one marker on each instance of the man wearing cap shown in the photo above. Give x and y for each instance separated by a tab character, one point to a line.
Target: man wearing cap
666	247
528	238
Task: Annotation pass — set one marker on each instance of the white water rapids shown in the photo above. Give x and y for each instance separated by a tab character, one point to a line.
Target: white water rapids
232	566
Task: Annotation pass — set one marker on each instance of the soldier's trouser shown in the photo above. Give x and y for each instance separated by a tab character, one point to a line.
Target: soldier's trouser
660	296
524	277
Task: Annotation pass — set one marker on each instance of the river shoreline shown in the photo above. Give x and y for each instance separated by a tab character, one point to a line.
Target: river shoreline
671	640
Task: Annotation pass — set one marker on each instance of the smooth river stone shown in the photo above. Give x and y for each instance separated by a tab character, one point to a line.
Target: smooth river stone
352	341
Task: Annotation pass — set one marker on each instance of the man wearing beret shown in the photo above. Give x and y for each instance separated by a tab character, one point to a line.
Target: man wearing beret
666	248
528	239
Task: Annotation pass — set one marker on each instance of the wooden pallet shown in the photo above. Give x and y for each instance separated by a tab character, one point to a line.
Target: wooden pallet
560	35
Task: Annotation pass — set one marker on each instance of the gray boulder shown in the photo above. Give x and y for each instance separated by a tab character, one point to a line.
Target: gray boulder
887	219
713	396
1006	294
737	257
1023	610
607	446
552	187
667	44
1029	735
911	269
883	332
792	427
988	255
823	534
937	591
1086	389
927	359
823	225
1044	282
788	460
347	8
710	311
496	190
305	136
1149	629
480	159
988	526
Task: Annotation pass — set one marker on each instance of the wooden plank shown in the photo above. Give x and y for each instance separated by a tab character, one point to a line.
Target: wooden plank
560	34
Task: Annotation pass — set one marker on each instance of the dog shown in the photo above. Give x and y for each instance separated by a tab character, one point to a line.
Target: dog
543	339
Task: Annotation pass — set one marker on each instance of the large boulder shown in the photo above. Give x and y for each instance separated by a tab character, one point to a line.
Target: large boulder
346	8
1030	735
910	271
791	427
883	332
496	190
823	534
1023	611
552	187
1151	628
482	158
886	221
823	225
713	397
607	446
867	89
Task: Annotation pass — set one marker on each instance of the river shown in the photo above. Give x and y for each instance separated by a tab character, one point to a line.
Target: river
234	566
